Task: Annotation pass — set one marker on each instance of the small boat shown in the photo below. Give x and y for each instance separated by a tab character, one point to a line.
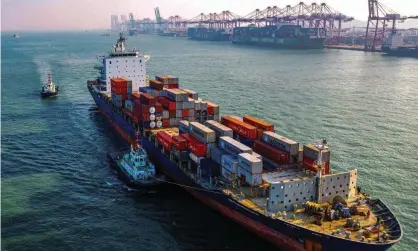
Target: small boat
105	34
134	167
16	35
50	89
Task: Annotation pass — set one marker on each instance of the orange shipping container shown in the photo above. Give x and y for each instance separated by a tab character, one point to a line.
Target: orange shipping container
239	127
260	124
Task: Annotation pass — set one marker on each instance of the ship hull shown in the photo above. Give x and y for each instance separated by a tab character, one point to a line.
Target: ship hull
282	43
282	234
400	52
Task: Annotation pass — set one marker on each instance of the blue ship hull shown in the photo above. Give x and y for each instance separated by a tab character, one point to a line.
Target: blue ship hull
284	235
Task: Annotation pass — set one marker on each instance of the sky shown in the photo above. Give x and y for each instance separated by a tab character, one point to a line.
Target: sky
19	15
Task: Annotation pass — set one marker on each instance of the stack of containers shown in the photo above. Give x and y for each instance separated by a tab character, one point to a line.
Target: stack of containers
147	111
203	134
194	146
261	125
220	130
165	140
310	156
179	148
229	166
239	127
168	81
251	168
213	111
277	148
153	92
192	94
232	146
182	104
119	91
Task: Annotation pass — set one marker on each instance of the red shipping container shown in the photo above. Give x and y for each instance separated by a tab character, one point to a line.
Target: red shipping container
118	82
194	145
165	140
308	163
185	113
169	105
143	117
119	90
173	86
135	96
211	111
158	108
157	85
141	109
276	155
172	114
148	99
239	127
166	123
260	124
180	143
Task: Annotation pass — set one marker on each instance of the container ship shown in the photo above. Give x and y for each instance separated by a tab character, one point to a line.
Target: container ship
285	35
209	34
282	191
395	46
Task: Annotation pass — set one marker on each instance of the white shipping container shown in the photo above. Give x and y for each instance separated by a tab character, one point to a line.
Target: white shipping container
202	132
229	162
312	152
252	179
250	163
197	105
281	142
232	146
220	130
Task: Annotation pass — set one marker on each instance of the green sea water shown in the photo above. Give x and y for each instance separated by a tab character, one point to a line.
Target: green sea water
58	192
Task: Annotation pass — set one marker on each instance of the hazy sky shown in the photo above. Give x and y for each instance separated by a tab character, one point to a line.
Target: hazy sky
95	14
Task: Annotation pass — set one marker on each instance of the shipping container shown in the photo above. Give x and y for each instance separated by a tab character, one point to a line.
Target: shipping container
213	108
185	113
129	105
197	104
118	83
300	154
166	114
258	123
250	163
166	103
191	113
174	121
232	146
166	122
192	94
184	126
148	99
230	163
167	79
194	145
220	130
312	152
180	143
204	105
252	179
257	155
179	114
276	155
135	96
239	127
165	140
177	95
217	117
281	143
202	133
216	154
156	85
227	174
158	108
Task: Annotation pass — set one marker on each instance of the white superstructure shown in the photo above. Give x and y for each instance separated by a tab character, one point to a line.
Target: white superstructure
122	63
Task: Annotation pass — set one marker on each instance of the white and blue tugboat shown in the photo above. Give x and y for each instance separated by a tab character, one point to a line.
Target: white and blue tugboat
50	89
134	167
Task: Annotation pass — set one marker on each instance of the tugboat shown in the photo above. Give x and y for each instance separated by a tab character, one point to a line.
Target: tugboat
50	89
16	35
134	167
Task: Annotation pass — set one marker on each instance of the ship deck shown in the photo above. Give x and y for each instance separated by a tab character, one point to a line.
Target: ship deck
302	219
